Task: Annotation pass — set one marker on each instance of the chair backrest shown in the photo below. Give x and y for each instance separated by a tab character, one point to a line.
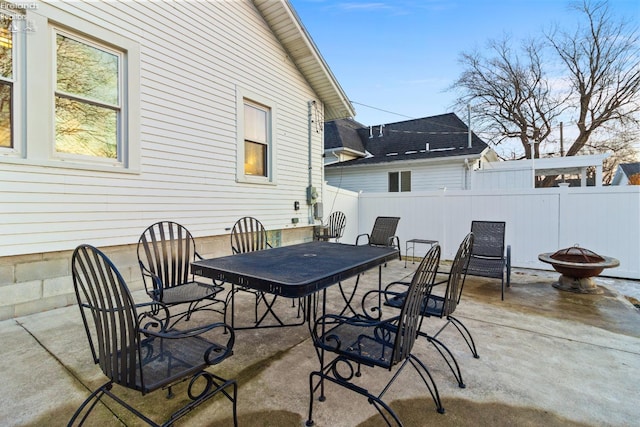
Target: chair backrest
488	238
336	223
248	235
167	250
384	228
410	315
112	324
457	276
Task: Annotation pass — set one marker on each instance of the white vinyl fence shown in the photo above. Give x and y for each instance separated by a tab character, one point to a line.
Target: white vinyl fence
605	220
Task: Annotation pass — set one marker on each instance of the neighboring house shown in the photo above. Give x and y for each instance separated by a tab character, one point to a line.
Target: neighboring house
624	173
115	115
430	153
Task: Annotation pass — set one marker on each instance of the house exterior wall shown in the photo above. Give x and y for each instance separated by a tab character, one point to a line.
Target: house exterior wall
194	59
374	179
42	281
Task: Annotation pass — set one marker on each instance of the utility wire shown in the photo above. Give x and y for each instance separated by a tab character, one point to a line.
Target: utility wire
380	109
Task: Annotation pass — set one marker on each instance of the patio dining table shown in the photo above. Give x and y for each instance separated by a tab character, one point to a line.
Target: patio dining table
297	271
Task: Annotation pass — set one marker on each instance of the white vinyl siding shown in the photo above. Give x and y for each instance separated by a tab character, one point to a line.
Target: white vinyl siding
375	179
193	57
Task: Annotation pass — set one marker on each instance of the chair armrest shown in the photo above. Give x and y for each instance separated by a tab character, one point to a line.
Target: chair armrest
332	341
329	320
215	353
155	281
396	284
371	308
360	235
191	332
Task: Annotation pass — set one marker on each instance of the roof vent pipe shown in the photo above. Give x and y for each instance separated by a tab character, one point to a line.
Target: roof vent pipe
370	132
426	147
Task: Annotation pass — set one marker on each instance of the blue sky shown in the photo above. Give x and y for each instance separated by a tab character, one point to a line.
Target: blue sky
402	55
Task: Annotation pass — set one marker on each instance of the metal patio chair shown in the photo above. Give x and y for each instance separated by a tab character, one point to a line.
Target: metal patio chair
165	252
383	232
489	257
363	340
134	347
334	227
249	235
441	301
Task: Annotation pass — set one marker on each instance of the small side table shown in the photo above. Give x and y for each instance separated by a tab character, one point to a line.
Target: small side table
413	243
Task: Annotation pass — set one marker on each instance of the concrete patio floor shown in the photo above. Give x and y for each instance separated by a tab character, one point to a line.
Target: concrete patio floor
547	357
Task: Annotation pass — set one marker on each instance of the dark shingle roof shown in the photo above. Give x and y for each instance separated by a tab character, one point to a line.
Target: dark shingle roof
429	137
343	133
630	169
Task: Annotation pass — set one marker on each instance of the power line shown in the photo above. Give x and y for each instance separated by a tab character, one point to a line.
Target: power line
380	109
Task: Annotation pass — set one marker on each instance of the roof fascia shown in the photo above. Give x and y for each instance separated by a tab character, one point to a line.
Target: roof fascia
288	28
417	162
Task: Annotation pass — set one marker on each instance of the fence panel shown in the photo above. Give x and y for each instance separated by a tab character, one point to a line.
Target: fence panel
603	219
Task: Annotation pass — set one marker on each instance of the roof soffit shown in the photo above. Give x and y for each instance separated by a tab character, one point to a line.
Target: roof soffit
288	28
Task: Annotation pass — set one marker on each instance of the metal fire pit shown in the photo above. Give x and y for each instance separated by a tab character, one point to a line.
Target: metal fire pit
577	266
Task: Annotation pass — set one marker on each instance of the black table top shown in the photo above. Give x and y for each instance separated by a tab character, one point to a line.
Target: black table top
296	270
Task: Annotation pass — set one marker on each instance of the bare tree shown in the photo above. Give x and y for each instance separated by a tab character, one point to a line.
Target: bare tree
509	94
619	143
603	62
513	98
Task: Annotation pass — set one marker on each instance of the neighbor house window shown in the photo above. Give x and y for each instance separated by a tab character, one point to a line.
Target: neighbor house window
7	75
256	145
399	181
88	106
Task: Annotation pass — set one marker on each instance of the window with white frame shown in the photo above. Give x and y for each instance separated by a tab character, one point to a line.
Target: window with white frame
399	181
83	107
256	143
88	109
256	148
7	80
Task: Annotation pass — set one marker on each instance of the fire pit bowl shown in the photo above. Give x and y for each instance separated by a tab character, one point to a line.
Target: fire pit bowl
577	266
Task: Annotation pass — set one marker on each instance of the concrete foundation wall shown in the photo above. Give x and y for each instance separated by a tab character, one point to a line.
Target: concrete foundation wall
39	282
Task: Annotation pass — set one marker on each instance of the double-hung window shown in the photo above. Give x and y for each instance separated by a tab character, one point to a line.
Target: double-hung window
256	143
88	111
256	147
7	80
83	104
399	181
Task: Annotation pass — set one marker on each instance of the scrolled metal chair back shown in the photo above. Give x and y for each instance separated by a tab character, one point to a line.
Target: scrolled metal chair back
410	315
457	275
336	223
248	235
167	250
108	313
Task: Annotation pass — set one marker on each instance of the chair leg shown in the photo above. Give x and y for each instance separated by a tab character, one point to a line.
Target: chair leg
465	334
447	356
385	411
382	408
95	397
433	389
